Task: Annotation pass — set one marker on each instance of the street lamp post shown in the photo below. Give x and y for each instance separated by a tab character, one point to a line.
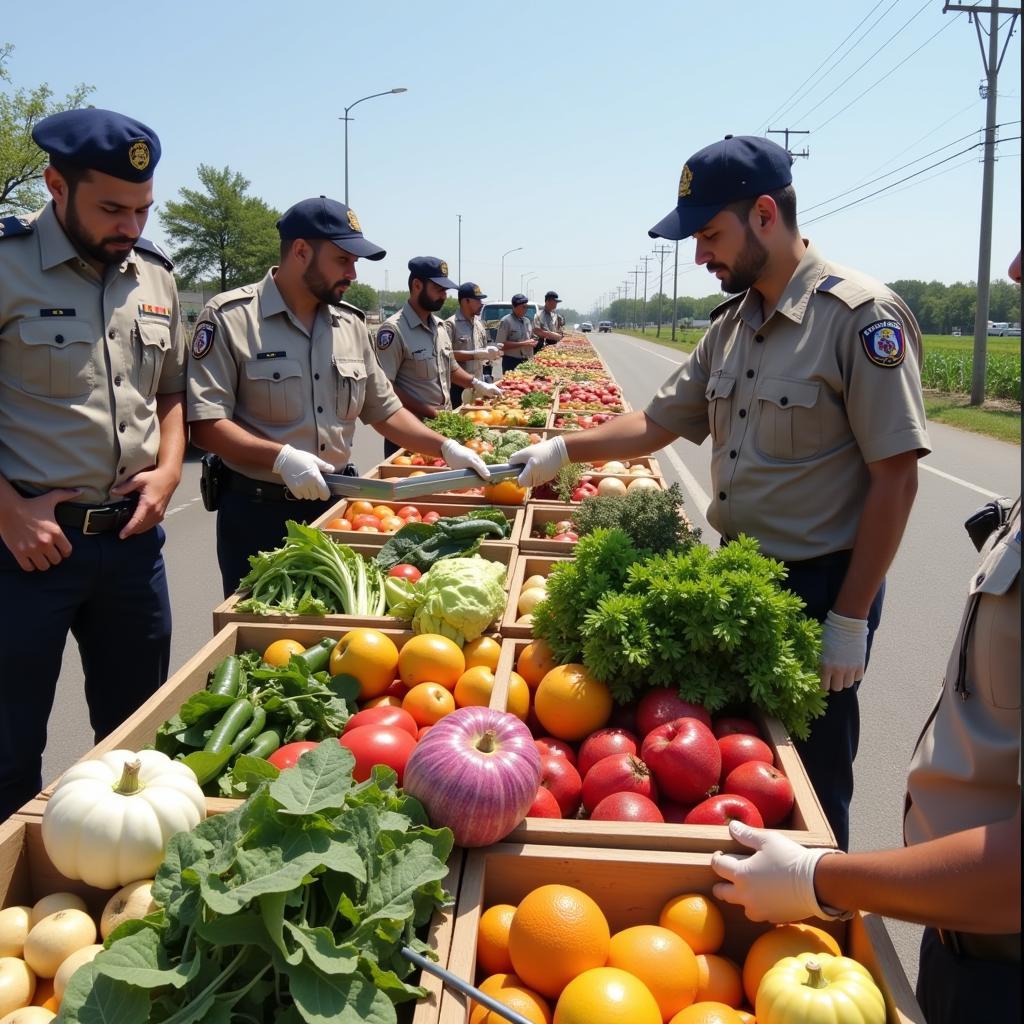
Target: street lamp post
346	119
518	248
524	281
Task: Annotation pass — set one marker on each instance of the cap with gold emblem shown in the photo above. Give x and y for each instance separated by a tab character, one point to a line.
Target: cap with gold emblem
738	167
327	218
469	290
430	268
100	140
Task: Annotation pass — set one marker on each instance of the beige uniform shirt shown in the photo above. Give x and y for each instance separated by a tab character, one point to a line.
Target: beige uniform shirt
966	768
82	358
466	336
252	361
417	356
797	406
515	328
545	321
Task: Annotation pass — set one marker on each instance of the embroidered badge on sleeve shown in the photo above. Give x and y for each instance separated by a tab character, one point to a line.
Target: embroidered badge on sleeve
884	342
202	340
384	338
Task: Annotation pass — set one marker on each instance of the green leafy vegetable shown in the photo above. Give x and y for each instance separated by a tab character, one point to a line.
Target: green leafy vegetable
423	544
654	519
535	400
453	425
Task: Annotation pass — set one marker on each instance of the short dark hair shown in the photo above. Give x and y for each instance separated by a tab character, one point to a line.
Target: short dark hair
286	246
785	200
73	174
413	277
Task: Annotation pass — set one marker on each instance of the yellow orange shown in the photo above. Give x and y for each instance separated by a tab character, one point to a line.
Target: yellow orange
484	650
428	703
720	980
280	651
518	696
607	995
571	704
661	960
383	701
431	658
368	656
510	992
492	938
535	661
707	1012
778	942
474	687
695	918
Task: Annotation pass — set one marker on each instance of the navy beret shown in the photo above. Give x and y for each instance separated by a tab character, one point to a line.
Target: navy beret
100	140
327	218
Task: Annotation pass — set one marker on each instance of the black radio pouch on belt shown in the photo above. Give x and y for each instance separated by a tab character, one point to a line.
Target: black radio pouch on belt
211	480
990	517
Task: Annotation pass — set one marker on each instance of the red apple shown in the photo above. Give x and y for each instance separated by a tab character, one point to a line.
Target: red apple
685	759
544	805
674	812
656	707
617	773
739	747
603	743
561	777
728	725
627	807
722	808
549	745
765	787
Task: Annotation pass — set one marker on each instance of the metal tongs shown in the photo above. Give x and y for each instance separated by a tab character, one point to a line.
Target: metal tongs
417	486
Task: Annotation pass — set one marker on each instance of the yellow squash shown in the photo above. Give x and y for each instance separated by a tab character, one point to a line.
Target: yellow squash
815	988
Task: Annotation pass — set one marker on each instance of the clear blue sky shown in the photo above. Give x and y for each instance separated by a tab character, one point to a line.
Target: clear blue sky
560	127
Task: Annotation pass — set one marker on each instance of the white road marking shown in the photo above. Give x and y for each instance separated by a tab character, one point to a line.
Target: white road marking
657	355
957	480
180	508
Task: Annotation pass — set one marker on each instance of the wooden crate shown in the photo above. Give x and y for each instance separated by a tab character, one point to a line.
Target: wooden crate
225	613
807	826
631	886
596	478
539	514
513	513
526	566
27	874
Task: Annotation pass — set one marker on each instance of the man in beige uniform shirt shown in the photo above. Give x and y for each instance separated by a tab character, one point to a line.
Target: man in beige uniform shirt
415	348
278	374
468	334
92	435
547	324
808	381
515	335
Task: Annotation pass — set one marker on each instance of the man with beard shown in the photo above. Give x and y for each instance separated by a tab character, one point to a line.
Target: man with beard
92	435
415	349
279	372
809	382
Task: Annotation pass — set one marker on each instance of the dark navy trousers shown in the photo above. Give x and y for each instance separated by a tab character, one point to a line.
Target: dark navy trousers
828	753
111	595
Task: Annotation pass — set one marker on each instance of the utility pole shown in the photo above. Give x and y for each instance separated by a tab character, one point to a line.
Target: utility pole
636	292
791	131
643	326
459	215
675	292
992	62
660	253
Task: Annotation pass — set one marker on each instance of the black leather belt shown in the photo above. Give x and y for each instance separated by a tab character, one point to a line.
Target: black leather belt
1002	948
92	519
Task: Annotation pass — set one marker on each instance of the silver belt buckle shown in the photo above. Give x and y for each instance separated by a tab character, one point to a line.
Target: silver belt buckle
87	523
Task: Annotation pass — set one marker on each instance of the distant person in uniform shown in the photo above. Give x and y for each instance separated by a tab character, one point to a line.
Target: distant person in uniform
809	382
547	324
468	334
515	335
279	372
92	436
415	348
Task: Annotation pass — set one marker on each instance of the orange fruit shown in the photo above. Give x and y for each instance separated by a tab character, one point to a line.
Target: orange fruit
382	511
695	918
44	993
428	703
337	524
359	508
606	995
280	651
512	993
707	1012
557	932
369	656
475	687
431	658
492	938
508	492
782	940
720	980
571	704
661	960
385	700
535	661
484	650
518	696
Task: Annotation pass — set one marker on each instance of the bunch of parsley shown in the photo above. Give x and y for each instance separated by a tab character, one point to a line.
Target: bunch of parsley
654	519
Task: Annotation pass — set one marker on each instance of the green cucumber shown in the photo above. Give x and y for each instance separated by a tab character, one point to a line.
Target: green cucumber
235	719
227	678
264	744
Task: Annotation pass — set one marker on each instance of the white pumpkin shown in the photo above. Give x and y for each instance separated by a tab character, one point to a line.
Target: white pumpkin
109	819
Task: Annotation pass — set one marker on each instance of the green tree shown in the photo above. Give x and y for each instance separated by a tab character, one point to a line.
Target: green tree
220	230
571	315
362	296
21	161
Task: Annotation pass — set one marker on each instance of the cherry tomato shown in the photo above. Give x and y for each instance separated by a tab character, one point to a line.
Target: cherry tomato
288	755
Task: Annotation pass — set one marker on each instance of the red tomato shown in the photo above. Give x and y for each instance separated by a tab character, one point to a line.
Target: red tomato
366	520
288	755
408	512
395	718
404	571
431	517
378	744
424	729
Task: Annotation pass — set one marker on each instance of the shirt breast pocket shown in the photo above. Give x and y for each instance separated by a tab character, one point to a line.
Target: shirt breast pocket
789	419
719	398
271	390
995	637
57	357
351	377
155	340
424	365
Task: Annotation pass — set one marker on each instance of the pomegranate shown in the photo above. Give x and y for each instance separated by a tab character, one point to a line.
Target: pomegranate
602	744
561	777
549	745
544	805
617	773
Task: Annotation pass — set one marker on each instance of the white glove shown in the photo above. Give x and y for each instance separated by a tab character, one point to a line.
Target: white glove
481	387
776	882
303	473
541	462
459	457
844	645
492	351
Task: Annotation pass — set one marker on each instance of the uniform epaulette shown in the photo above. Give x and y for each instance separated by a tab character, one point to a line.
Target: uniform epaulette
154	250
347	307
723	306
246	293
12	227
851	293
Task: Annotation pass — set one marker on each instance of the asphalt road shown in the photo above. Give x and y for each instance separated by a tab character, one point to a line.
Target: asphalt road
925	595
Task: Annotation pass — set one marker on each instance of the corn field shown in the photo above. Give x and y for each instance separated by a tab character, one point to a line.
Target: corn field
951	371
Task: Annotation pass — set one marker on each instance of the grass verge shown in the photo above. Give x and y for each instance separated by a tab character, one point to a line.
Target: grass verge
996	420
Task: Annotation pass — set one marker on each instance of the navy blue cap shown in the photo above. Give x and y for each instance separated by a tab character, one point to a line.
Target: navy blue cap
519	299
100	140
327	218
469	290
430	268
738	167
552	295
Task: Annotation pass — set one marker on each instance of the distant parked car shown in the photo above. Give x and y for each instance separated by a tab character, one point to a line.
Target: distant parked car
586	327
604	327
1002	330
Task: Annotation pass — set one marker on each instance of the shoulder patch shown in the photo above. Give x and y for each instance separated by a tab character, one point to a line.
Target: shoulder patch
385	336
723	306
202	340
850	293
347	307
12	227
154	250
884	342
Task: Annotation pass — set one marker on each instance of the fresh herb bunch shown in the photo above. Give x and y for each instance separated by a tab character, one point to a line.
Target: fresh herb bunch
654	519
453	425
537	419
293	907
568	479
535	400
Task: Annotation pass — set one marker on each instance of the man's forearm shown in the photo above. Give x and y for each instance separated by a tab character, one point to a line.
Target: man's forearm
404	429
233	442
462	378
170	411
887	506
624	437
968	882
